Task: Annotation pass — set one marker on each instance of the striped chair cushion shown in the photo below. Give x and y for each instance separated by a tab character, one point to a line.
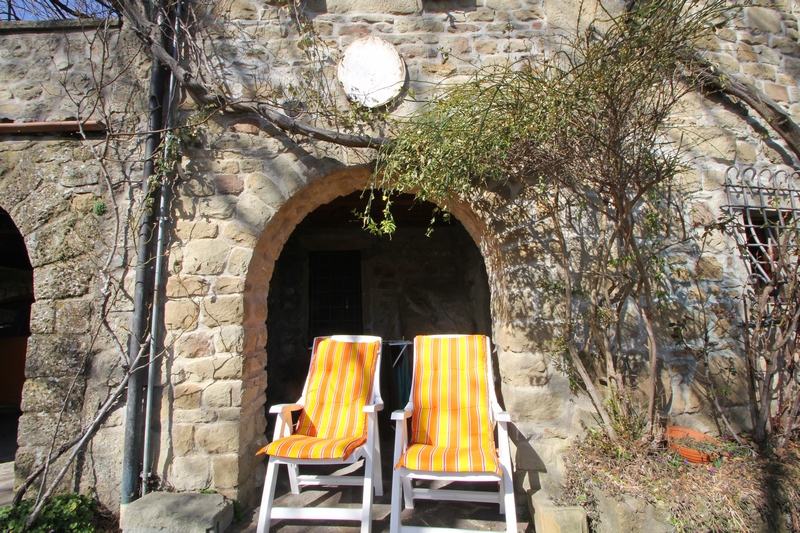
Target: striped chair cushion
332	424
451	429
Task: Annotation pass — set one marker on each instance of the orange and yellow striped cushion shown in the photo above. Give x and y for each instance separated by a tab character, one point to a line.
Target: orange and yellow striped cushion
339	384
451	430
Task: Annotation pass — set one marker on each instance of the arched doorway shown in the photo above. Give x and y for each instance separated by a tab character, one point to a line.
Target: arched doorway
260	279
16	297
334	277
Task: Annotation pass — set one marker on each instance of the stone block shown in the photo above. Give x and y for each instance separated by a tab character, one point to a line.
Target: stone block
62	280
37	427
170	512
229	184
194	345
745	153
221	206
78	174
186	286
240	233
229	286
194	416
188	396
776	92
52	356
183	439
43	316
229	367
757	70
181	314
230	339
196	370
200	185
265	188
186	230
709	268
538	404
253	211
630	514
223	310
398	7
239	261
221	437
550	518
242	10
715	143
223	394
763	19
523	369
226	470
205	256
73	316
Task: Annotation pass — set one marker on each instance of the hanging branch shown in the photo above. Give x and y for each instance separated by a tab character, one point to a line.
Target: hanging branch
150	34
712	79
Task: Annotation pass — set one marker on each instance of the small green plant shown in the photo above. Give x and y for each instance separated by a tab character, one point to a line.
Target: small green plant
67	513
238	512
99	208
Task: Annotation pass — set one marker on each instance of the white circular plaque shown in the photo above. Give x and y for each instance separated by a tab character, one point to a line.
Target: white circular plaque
372	71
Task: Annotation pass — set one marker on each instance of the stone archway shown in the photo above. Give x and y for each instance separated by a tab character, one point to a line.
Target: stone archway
265	255
16	297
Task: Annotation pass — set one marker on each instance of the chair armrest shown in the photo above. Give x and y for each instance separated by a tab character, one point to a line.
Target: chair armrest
373	407
401	414
280	407
502	416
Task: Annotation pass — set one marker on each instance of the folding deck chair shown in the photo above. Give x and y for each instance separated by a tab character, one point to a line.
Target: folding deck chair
453	410
337	425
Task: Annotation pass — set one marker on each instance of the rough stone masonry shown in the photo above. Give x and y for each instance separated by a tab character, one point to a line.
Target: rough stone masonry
244	190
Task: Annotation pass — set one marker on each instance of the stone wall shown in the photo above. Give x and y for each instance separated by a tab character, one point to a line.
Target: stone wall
65	204
278	184
244	190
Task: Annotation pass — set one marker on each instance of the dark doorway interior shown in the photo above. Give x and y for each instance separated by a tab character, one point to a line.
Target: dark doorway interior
334	293
334	277
16	297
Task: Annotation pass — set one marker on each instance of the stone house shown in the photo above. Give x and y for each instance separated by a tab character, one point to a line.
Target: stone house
262	252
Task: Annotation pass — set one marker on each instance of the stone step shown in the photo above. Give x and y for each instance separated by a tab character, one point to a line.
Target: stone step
172	512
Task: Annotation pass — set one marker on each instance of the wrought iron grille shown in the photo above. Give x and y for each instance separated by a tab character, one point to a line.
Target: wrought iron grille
763	203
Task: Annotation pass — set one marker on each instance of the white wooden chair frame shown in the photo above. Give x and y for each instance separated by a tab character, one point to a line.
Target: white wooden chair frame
402	478
370	452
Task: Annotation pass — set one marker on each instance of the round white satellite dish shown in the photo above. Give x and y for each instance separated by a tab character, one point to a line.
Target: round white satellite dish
372	72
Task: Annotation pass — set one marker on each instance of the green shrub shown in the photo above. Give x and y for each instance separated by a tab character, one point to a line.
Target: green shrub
68	513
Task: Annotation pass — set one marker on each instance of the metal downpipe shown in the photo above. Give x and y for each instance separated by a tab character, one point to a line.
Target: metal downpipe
142	298
155	320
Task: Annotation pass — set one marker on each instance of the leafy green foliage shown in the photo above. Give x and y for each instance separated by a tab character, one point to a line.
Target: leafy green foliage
68	513
586	133
591	116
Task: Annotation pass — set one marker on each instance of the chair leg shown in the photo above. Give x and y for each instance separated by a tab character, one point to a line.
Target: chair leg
366	504
293	474
408	492
376	469
394	517
267	496
508	498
